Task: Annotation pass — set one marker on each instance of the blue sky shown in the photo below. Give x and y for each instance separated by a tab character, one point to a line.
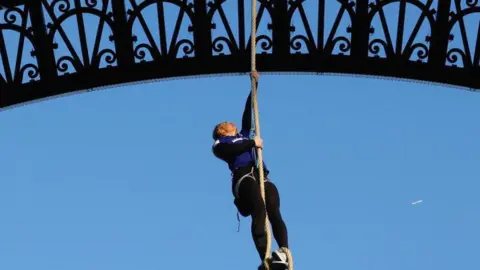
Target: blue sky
124	178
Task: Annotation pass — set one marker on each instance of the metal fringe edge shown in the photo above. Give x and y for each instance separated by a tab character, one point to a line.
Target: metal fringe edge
202	76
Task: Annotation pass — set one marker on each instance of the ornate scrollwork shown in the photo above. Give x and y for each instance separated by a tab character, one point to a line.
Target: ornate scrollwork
177	47
421	49
461	38
87	15
31	70
65	62
219	43
454	54
14	15
346	10
108	55
91	3
60	6
141	50
186	46
388	43
17	35
472	3
344	44
301	43
223	45
231	42
376	45
265	42
46	39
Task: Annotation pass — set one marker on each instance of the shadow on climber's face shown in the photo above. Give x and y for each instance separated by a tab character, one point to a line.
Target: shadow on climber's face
224	129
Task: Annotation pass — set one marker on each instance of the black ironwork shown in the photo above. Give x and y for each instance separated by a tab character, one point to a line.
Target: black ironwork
53	47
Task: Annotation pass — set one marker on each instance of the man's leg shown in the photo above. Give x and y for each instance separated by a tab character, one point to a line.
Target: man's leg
278	225
249	193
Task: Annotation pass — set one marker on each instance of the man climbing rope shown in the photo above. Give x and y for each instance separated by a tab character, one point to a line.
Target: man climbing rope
238	151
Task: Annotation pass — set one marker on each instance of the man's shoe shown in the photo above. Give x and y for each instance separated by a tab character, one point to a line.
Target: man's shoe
279	258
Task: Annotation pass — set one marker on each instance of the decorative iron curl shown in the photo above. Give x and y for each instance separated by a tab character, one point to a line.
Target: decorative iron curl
452	56
422	51
471	3
344	44
62	63
375	46
63	6
108	55
32	71
296	43
11	15
140	51
91	3
218	44
265	42
187	47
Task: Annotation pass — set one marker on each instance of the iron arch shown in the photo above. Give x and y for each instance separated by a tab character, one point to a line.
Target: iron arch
205	37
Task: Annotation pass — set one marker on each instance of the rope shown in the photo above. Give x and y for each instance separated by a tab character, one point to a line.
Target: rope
257	126
259	150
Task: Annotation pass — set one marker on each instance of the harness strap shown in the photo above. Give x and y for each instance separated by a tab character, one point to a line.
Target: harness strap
237	185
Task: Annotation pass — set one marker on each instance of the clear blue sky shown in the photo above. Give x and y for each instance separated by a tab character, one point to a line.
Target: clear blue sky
124	178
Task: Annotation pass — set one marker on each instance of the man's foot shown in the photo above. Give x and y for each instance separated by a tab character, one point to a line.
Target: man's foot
279	258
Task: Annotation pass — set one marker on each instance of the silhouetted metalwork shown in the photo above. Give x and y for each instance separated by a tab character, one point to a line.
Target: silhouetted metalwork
52	47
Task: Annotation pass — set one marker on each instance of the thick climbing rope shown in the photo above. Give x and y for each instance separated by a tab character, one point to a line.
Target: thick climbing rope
257	130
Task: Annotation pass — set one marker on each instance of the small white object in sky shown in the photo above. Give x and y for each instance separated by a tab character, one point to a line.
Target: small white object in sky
417	202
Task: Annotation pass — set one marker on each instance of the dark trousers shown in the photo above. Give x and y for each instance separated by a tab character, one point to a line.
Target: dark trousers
250	203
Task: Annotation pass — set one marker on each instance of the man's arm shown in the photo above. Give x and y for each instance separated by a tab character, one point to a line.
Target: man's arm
229	151
247	116
247	112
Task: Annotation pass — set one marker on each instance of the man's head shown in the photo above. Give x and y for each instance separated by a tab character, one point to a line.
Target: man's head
224	129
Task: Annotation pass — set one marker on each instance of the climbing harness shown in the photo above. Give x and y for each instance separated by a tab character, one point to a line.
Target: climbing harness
259	150
237	185
236	191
